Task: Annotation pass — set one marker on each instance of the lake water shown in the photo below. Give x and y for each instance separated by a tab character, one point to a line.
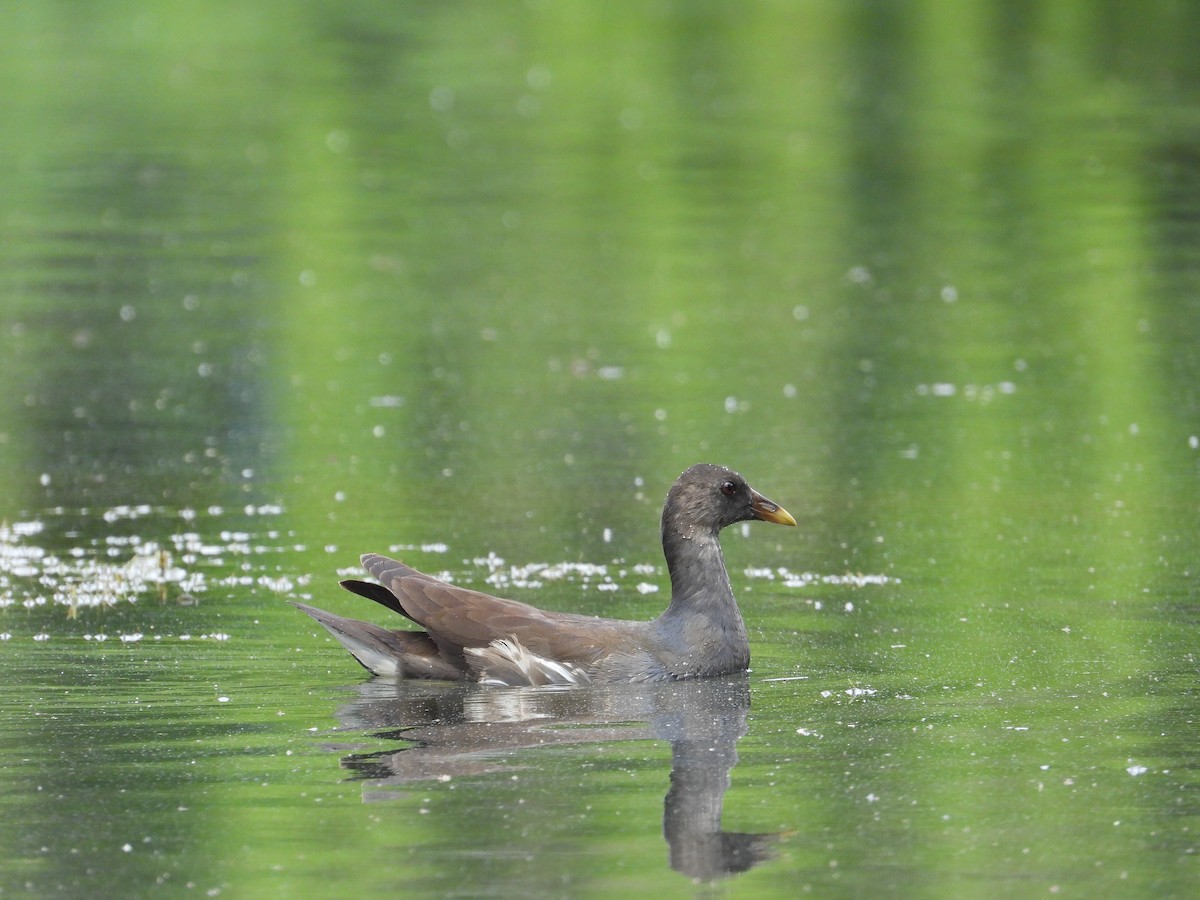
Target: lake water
470	285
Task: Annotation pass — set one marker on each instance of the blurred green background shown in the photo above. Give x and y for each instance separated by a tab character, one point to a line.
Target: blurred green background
282	283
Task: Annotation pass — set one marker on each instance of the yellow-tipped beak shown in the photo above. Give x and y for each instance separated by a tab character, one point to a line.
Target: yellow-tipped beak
769	510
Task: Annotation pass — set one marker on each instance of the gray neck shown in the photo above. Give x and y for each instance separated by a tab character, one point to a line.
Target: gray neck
701	632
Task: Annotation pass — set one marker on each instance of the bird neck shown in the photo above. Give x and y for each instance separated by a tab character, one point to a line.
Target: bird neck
701	632
699	582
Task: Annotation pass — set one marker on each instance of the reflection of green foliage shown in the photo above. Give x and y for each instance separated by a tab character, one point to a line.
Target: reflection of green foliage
493	274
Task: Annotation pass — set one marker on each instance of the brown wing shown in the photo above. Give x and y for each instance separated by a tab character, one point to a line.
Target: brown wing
458	617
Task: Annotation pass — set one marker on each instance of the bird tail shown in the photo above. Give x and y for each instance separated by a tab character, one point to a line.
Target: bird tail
396	654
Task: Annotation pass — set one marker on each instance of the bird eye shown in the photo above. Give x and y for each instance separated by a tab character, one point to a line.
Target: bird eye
728	489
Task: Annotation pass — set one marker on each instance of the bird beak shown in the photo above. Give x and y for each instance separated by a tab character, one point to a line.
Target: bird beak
768	510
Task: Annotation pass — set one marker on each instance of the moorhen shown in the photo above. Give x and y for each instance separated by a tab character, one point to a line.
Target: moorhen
470	635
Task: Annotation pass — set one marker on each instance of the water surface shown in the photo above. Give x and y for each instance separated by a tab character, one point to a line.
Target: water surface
470	286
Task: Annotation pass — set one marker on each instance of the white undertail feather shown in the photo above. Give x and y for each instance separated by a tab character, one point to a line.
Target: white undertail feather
375	658
506	662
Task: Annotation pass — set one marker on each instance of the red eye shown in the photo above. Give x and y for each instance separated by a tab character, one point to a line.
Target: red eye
728	489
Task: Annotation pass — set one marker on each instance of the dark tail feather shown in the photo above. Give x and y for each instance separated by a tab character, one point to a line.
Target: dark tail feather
399	654
376	592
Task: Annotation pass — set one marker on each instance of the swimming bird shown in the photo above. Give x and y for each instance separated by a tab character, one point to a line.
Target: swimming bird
470	635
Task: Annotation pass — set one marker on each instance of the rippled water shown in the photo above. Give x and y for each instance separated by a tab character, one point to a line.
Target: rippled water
470	286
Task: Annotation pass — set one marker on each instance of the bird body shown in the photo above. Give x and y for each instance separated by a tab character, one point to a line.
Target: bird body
474	636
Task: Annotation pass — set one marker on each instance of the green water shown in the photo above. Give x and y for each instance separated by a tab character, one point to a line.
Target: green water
470	284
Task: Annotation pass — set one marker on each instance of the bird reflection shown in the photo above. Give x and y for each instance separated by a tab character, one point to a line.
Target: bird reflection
459	730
